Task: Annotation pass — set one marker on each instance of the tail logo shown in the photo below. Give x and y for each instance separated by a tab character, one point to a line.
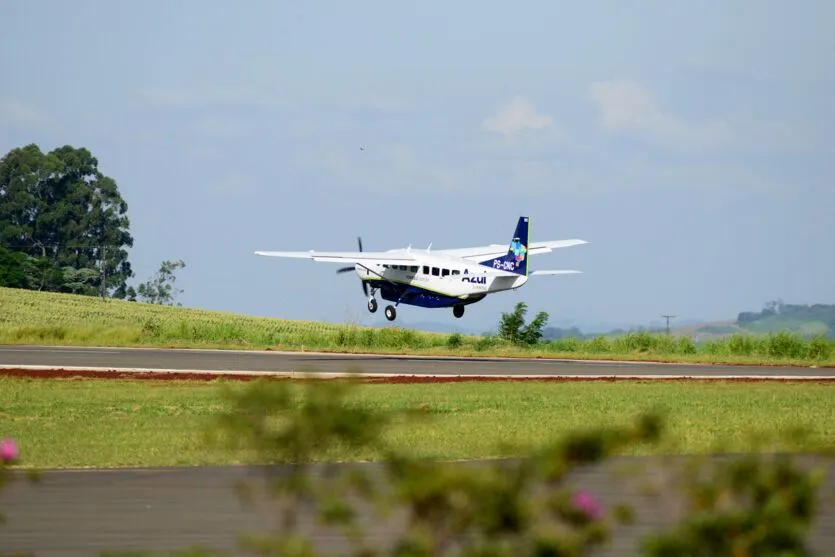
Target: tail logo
519	250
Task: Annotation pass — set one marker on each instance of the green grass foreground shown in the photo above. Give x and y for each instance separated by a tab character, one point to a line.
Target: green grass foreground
29	317
121	423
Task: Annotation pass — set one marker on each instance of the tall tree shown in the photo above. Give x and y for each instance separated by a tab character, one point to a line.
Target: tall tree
12	269
59	208
160	288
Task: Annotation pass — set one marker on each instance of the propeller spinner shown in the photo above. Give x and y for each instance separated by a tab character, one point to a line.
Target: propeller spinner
351	268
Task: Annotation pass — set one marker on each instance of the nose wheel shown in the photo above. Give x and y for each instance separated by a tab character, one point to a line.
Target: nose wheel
391	313
372	305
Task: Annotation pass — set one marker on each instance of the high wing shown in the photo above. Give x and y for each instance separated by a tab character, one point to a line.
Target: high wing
394	257
497	250
401	256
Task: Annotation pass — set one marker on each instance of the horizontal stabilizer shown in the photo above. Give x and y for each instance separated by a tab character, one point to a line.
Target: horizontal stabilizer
499	250
555	272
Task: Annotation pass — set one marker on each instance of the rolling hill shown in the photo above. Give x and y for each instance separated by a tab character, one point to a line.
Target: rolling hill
807	320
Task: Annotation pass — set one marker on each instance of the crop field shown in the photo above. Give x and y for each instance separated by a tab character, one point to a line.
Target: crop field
29	317
119	423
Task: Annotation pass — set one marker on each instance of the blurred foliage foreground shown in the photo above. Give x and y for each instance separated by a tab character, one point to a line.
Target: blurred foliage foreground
757	504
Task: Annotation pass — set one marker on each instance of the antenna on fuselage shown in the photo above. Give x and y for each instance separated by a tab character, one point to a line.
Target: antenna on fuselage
429	247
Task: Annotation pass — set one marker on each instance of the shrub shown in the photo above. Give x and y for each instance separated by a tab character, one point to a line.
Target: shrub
454	341
745	506
512	326
786	345
820	348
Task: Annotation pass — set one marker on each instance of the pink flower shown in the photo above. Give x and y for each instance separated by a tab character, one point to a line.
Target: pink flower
586	503
8	451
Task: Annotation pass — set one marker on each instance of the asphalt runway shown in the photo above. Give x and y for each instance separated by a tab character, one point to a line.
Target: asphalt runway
85	512
297	362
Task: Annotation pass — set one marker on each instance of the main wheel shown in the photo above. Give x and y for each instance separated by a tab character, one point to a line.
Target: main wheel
390	313
372	305
458	311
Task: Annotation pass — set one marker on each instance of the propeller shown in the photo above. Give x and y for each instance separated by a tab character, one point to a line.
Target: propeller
351	268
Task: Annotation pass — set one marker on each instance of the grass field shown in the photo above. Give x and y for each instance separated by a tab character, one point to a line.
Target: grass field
28	317
87	423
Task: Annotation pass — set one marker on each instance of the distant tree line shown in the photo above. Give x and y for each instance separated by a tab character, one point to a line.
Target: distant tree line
64	228
824	313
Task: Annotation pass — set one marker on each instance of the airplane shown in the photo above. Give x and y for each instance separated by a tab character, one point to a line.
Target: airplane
446	278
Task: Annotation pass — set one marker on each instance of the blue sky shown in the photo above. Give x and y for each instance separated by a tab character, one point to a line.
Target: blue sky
691	146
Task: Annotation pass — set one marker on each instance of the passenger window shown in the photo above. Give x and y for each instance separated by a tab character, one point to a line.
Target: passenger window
413	269
456	272
426	269
435	271
444	272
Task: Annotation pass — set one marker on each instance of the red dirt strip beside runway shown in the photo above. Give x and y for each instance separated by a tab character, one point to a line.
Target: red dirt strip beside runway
164	375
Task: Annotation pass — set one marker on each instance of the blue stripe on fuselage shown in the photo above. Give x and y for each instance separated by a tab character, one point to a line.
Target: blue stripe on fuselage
417	296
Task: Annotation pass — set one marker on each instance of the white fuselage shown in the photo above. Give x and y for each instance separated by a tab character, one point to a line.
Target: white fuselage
442	275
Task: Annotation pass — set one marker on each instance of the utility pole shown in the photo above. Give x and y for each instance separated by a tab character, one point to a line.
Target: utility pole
668	317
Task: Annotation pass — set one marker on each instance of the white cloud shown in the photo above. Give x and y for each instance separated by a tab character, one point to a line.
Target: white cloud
181	98
536	166
625	106
19	114
642	175
516	116
400	171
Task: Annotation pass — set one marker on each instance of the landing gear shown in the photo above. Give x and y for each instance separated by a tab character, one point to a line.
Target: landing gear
391	314
372	301
458	311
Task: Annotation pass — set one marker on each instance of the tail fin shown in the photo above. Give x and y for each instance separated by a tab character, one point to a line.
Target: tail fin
515	260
